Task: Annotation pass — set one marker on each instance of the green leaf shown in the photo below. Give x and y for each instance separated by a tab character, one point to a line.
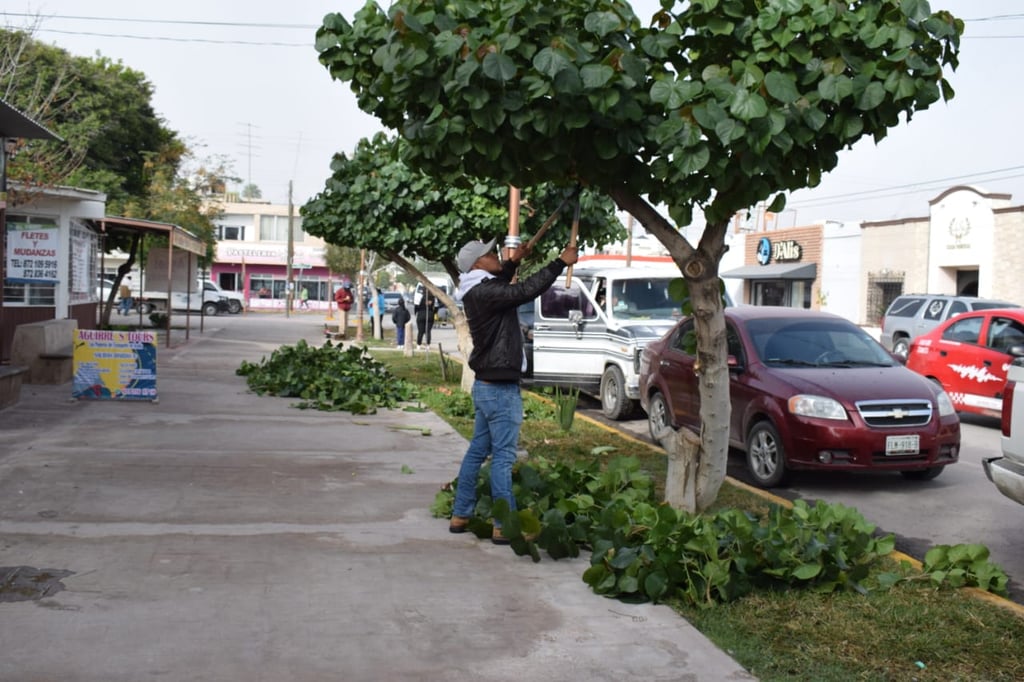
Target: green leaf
748	105
782	87
871	97
499	67
596	75
807	571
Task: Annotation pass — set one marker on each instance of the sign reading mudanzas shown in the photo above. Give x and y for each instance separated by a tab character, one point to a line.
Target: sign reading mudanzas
111	365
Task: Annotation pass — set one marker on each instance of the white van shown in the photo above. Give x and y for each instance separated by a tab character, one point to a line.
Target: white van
590	334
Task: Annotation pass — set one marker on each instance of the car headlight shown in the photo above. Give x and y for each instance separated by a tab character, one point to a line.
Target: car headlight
945	404
816	406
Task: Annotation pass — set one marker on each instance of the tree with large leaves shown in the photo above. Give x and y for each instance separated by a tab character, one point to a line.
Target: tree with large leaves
373	200
114	141
713	105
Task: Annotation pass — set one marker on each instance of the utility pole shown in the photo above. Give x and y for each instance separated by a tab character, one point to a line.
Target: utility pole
290	285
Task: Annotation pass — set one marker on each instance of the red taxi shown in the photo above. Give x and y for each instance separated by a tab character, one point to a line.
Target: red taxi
969	355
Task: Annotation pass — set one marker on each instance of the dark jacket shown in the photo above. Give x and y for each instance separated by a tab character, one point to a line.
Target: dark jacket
400	316
490	308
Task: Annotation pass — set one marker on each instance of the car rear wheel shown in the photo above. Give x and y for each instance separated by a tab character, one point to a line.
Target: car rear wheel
659	422
901	347
145	308
209	308
922	474
614	402
766	458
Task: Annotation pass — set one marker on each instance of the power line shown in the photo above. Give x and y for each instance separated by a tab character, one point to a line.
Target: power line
184	22
910	188
260	43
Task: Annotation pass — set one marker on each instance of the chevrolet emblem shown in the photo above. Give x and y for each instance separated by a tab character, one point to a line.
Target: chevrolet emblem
898	413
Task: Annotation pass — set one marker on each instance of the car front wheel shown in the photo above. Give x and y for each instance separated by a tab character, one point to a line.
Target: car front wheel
766	458
209	309
614	402
659	421
234	306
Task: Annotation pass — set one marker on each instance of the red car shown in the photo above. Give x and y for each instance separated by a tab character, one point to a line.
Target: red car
809	390
969	355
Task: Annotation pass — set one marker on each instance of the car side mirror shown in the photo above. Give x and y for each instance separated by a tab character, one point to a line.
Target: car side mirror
1016	351
733	363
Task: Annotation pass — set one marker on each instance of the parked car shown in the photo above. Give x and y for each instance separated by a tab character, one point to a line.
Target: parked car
969	357
912	315
809	390
1007	472
391	299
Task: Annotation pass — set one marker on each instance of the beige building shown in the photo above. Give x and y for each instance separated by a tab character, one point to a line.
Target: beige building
967	245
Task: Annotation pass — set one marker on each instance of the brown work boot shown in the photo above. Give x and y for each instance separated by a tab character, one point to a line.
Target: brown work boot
458	524
497	538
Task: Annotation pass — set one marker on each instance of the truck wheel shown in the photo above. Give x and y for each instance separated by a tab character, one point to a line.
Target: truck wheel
614	402
922	474
209	308
766	458
234	306
659	421
145	308
901	347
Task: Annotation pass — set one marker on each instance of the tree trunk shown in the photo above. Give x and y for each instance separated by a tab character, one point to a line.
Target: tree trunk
696	473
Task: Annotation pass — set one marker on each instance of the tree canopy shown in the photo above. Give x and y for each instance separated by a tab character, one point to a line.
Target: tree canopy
102	109
718	104
373	200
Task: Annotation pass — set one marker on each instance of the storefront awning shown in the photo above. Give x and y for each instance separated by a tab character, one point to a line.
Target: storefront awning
180	237
774	271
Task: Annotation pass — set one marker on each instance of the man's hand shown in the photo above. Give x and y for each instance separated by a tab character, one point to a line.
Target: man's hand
570	255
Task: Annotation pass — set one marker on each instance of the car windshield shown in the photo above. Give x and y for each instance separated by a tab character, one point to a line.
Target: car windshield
815	343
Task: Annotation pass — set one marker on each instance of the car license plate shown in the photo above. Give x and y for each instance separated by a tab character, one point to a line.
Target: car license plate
902	445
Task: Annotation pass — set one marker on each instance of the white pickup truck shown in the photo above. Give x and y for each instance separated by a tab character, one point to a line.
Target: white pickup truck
210	301
589	335
1007	472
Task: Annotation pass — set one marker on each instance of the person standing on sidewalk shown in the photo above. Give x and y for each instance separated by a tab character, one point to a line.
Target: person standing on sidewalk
125	305
343	297
401	318
424	317
490	300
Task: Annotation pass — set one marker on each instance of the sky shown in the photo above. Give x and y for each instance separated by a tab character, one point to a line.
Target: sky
246	86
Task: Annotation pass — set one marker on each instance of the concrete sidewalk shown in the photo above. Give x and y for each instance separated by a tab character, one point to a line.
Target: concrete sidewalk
218	535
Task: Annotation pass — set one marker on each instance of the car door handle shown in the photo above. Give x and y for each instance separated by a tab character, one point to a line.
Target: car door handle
988	363
542	327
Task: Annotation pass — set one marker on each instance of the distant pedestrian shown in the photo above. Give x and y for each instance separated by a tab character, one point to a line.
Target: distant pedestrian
343	297
424	318
401	318
304	297
377	306
125	305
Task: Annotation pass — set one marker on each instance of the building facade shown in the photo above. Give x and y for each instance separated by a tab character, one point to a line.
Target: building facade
252	257
965	245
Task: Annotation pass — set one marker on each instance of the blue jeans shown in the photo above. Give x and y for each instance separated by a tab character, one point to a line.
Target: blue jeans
499	414
125	305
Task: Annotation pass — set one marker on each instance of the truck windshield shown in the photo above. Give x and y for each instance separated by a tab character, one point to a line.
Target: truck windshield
643	299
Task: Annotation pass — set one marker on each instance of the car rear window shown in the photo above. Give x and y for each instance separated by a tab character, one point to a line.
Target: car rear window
905	307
